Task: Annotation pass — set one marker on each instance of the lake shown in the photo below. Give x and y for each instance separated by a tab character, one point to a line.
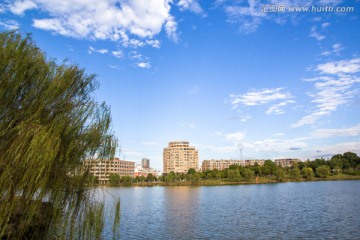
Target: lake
303	210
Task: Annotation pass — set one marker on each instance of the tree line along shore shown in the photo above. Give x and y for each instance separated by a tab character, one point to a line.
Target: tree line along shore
338	167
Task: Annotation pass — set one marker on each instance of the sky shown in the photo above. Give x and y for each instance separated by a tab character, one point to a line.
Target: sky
237	79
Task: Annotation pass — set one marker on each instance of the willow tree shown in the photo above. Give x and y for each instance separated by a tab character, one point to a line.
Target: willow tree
49	123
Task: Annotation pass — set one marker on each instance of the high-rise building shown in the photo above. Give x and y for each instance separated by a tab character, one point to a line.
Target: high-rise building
179	157
145	163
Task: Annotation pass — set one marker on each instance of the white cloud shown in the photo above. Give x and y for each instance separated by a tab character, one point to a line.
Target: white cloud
250	17
325	25
337	132
10	24
144	65
326	53
261	97
336	67
340	148
191	5
171	29
114	67
2	8
276	109
153	43
117	54
188	124
332	91
335	49
316	35
101	51
19	7
258	97
106	19
250	14
245	118
235	137
276	145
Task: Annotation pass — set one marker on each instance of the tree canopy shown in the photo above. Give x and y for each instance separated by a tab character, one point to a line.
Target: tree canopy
49	123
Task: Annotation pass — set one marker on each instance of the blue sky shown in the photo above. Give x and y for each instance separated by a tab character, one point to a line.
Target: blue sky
216	73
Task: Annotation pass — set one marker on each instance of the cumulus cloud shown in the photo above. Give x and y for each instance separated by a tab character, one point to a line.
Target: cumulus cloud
105	20
263	96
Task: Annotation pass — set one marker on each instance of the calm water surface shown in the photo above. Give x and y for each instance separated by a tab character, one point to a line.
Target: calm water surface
305	210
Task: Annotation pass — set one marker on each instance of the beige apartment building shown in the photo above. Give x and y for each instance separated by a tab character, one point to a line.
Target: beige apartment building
103	168
179	157
219	164
223	164
286	162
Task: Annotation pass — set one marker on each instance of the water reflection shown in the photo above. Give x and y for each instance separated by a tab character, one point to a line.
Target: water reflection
307	210
181	206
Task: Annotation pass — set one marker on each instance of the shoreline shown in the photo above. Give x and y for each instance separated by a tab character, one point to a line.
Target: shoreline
216	182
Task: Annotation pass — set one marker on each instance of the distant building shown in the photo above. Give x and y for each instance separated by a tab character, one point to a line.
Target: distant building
223	164
179	157
286	162
255	161
103	168
141	171
145	163
219	164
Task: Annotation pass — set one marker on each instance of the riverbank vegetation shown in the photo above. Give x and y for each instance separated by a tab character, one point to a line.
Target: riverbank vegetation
338	167
49	123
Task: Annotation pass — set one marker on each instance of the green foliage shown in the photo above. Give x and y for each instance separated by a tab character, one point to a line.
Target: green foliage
191	171
49	123
295	173
269	168
323	171
150	177
247	173
170	177
234	175
280	175
196	178
307	173
128	179
114	178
